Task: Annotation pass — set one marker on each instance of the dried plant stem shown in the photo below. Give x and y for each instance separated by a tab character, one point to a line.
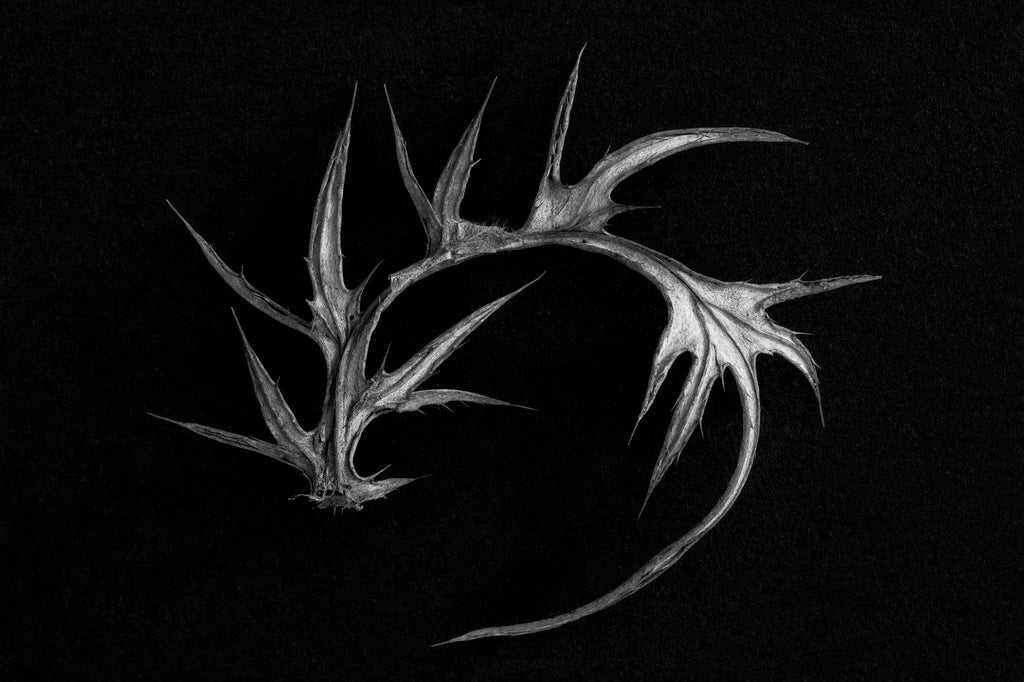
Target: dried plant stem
724	326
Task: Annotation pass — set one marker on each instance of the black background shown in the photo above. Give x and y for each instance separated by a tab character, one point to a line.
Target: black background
886	545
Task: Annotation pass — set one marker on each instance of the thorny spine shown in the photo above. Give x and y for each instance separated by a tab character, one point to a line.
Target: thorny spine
723	325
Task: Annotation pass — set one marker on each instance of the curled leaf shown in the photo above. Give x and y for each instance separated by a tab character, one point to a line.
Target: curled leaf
723	326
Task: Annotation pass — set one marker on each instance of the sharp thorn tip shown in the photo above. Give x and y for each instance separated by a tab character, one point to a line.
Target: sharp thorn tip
643	506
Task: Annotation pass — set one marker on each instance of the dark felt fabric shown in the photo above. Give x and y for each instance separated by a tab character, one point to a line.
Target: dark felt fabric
885	545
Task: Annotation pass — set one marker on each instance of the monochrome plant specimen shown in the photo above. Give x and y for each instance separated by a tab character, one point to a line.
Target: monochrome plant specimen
724	326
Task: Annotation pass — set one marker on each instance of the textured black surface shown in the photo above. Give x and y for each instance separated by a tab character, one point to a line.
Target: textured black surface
886	545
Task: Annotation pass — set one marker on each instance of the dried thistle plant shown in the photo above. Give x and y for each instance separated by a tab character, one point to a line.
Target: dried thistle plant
722	325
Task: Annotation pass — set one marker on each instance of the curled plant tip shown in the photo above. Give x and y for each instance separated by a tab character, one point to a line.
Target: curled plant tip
722	326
